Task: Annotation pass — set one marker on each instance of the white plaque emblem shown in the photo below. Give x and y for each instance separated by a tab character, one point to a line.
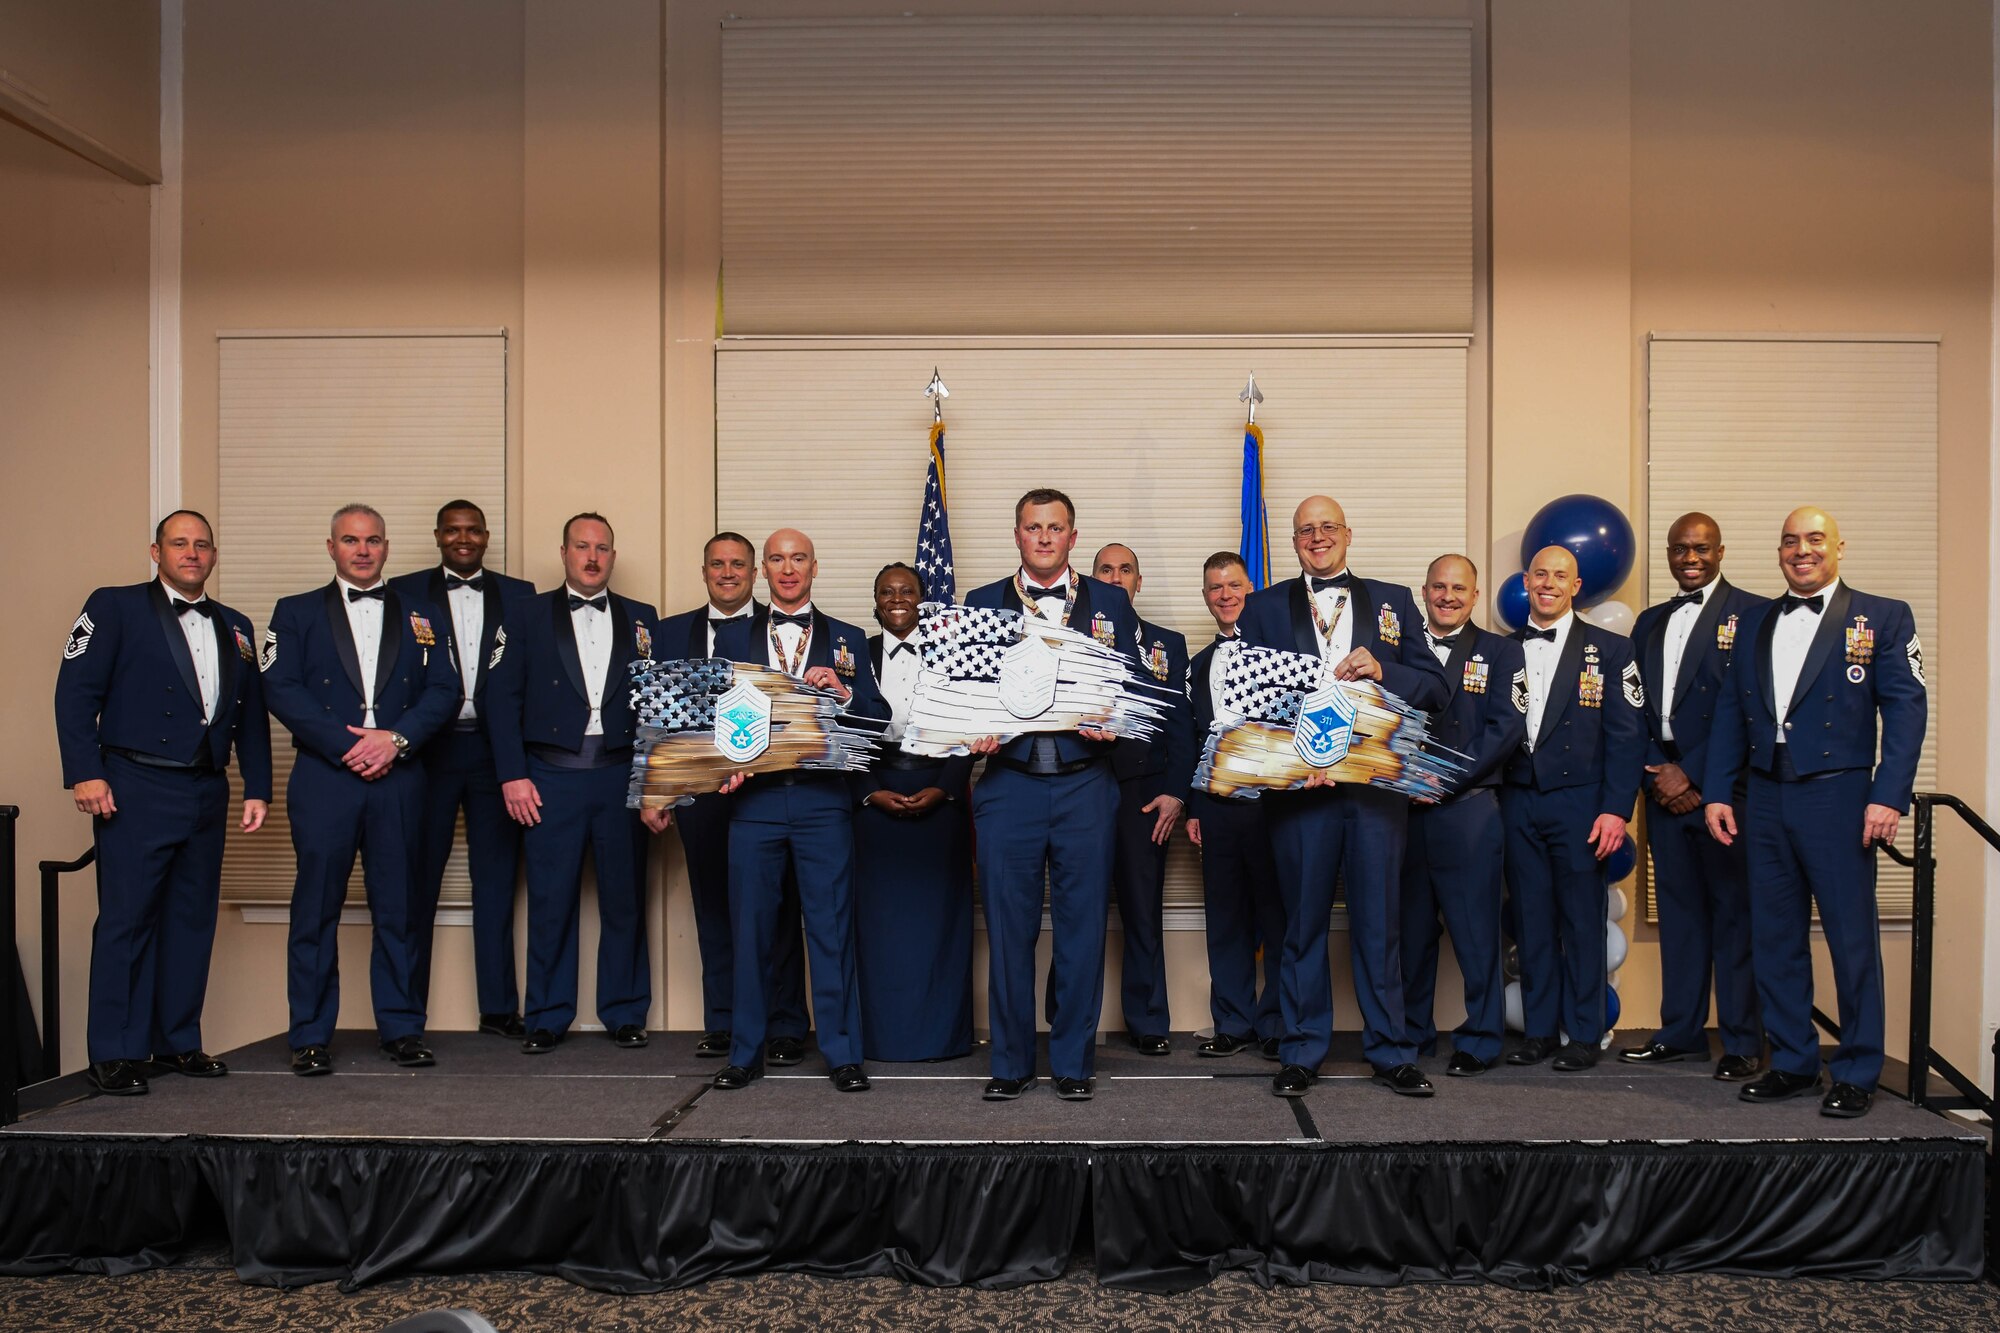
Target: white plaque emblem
1028	678
743	723
1325	726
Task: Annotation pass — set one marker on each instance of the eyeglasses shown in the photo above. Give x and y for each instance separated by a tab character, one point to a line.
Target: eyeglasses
1310	530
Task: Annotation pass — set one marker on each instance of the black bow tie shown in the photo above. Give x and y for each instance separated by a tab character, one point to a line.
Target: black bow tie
1446	640
803	619
201	608
378	593
717	622
452	582
904	647
601	602
1061	590
1694	596
1221	639
1793	602
1530	634
1340	580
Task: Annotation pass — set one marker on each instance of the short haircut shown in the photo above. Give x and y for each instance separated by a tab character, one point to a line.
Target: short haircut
450	505
1121	546
923	589
160	528
589	516
727	536
1453	555
349	511
1044	495
1223	560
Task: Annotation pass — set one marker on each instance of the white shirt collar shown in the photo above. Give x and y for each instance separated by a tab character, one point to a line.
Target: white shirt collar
357	587
1561	627
1826	592
574	591
174	594
1061	578
748	608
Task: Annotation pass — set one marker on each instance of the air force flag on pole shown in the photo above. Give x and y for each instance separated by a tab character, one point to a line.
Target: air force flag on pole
933	560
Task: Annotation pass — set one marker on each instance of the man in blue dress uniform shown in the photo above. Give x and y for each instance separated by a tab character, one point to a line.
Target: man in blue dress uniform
1048	802
562	728
729	570
1362	629
1685	646
1452	866
1800	711
158	682
797	822
1245	912
1569	793
362	678
1152	790
458	765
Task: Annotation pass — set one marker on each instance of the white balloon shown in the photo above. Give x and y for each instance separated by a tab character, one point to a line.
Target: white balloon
1614	946
1614	616
1616	902
1511	1004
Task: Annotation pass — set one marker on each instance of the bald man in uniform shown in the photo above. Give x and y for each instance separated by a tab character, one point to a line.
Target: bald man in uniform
1824	664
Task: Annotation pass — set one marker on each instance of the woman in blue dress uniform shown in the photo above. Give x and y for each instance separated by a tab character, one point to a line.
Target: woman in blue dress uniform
913	865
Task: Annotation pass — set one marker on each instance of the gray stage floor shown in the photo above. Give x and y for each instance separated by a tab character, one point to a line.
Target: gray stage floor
483	1088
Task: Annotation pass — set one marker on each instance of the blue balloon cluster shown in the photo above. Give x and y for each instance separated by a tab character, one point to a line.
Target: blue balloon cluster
1611	1008
1596	533
1512	603
1622	862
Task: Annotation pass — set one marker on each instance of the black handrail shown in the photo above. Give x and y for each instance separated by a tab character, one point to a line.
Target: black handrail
10	1073
1923	1058
52	958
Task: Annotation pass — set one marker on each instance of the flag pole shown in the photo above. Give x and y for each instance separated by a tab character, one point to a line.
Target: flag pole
1251	394
937	393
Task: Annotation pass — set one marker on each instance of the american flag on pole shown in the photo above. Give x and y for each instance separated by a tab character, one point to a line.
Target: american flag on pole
933	560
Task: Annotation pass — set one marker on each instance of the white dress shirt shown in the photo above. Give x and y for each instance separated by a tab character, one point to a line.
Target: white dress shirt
899	677
1218	669
1336	608
203	646
1542	657
789	639
716	613
468	628
364	622
593	649
1790	641
1048	608
1679	629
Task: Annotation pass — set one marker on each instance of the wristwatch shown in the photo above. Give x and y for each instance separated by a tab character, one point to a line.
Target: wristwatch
401	742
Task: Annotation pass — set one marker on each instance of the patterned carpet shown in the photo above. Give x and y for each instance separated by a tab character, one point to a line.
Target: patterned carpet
206	1296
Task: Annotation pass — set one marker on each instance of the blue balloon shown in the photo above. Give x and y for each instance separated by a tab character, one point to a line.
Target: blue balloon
1622	862
1596	533
1512	603
1610	1008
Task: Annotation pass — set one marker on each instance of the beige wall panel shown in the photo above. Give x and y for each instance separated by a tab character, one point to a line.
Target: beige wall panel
73	484
97	64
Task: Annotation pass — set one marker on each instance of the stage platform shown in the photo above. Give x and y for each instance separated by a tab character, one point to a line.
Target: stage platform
623	1171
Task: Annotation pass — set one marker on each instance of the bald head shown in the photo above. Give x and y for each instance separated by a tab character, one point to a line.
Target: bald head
1809	549
1552	585
1320	536
1119	564
1451	590
789	568
1694	551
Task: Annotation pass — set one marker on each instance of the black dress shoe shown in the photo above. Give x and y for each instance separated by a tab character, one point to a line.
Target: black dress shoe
1736	1068
1574	1056
503	1025
1072	1089
118	1078
540	1042
1404	1081
1846	1101
712	1046
849	1078
1532	1051
785	1051
1465	1066
1150	1045
310	1060
1659	1053
1268	1048
1777	1086
409	1052
194	1064
1292	1081
1222	1043
1006	1089
630	1036
733	1078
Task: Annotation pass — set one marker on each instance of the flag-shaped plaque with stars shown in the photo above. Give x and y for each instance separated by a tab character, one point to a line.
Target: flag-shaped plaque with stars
933	560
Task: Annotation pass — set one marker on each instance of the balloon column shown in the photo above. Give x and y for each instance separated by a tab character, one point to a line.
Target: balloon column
1596	533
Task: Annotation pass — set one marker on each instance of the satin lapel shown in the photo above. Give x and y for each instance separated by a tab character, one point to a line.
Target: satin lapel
177	645
343	638
228	663
489	629
1455	660
1305	638
1701	639
1010	597
566	642
1361	606
875	650
760	637
698	634
1765	632
391	646
623	650
1563	681
1653	661
1832	624
1079	616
